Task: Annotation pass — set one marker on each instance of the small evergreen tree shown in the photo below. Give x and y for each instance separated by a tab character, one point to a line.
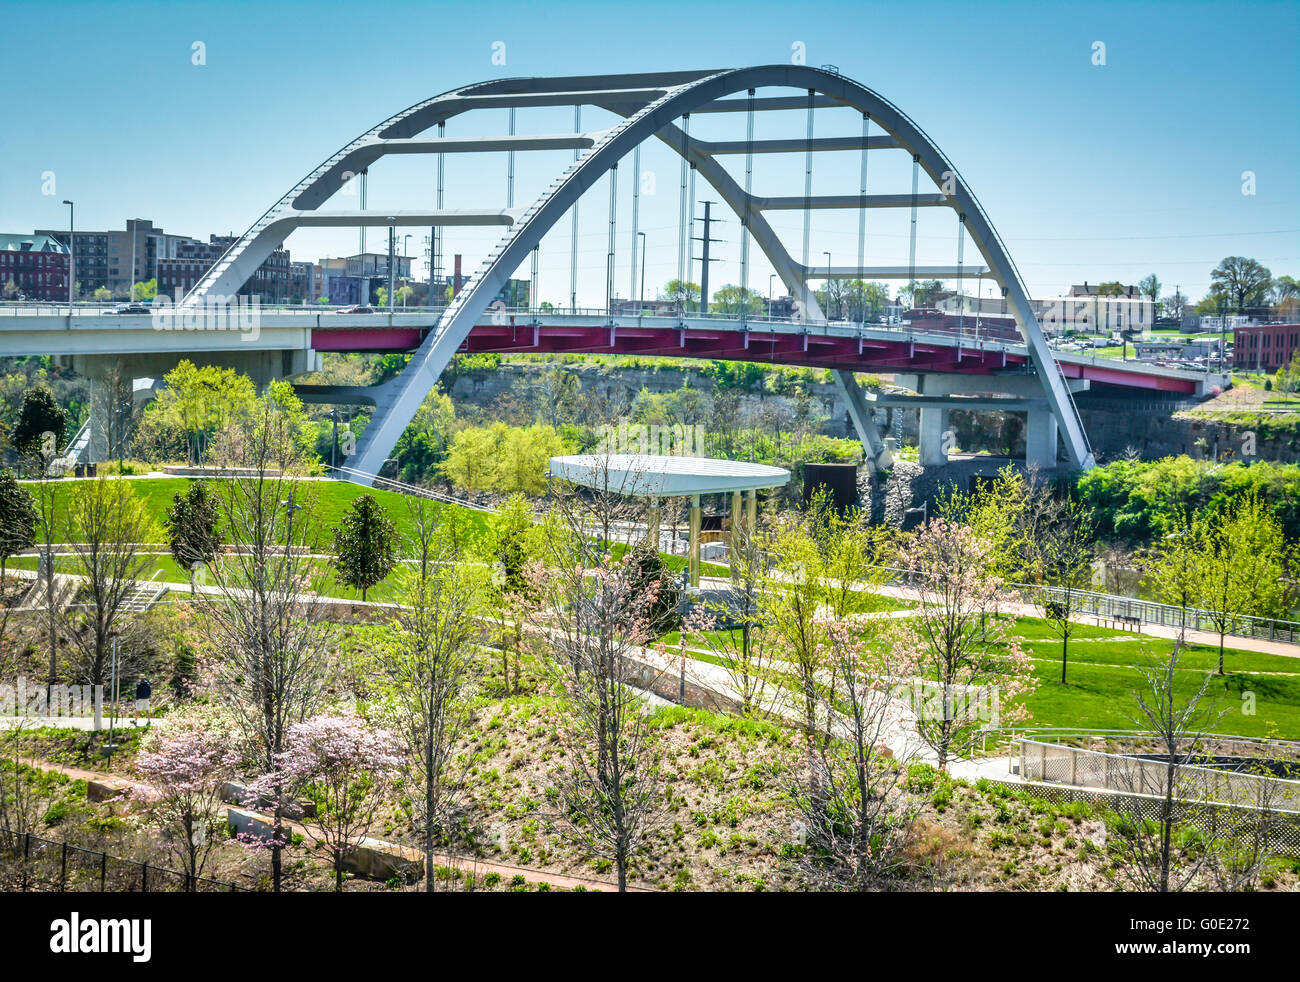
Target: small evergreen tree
192	527
657	606
365	544
40	414
17	519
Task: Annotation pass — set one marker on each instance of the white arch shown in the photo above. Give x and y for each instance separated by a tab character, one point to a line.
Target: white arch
650	104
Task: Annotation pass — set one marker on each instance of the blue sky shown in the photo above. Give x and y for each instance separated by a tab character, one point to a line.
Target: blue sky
1088	172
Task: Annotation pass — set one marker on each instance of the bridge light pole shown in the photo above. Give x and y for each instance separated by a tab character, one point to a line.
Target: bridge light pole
828	277
72	253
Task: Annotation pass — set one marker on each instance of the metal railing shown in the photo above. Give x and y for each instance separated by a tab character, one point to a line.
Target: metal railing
1055	763
1165	615
31	862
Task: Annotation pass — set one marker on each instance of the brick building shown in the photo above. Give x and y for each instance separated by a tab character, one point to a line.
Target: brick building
276	280
1264	347
33	267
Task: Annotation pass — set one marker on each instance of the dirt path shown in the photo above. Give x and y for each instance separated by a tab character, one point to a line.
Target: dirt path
479	868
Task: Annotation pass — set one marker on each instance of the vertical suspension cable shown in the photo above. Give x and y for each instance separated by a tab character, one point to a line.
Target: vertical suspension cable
744	215
690	231
911	249
435	247
636	215
961	301
365	175
682	242
807	182
613	228
573	236
862	220
510	166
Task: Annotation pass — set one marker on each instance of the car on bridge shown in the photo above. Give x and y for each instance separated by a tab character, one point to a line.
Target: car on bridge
358	309
129	308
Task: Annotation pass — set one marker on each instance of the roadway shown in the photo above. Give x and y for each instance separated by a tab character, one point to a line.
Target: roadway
875	348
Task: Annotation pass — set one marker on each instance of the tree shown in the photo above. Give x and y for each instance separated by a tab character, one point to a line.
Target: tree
40	414
185	767
1243	282
430	667
344	768
365	545
733	627
105	523
102	294
1111	288
685	295
608	786
512	545
1150	287
852	798
1244	565
1063	554
967	658
191	525
146	290
18	520
1173	566
736	301
1175	305
263	617
204	400
1156	857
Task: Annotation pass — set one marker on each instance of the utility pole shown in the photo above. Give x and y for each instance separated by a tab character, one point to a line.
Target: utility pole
704	258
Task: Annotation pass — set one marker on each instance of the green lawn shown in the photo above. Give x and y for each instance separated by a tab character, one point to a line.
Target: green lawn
1102	681
330	499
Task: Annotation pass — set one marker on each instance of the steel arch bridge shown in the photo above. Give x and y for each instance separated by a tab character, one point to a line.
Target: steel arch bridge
649	106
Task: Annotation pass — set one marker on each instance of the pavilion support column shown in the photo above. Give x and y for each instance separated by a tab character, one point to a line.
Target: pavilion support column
751	509
653	522
733	539
693	561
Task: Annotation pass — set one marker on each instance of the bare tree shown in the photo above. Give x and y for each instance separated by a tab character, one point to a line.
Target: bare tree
608	787
734	626
431	669
263	617
105	524
1155	856
852	797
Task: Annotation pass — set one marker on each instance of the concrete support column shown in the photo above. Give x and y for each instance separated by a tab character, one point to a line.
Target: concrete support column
751	509
101	419
1040	439
653	522
933	425
693	552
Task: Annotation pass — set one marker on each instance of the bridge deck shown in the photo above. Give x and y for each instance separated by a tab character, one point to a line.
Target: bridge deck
870	348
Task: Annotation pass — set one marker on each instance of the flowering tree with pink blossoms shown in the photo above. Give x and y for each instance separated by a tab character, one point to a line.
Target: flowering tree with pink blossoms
184	767
344	768
971	673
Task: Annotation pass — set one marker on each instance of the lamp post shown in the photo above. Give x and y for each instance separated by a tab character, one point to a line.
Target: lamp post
828	281
406	251
72	255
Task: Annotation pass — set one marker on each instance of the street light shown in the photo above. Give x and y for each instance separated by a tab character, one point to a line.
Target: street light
72	258
406	251
828	279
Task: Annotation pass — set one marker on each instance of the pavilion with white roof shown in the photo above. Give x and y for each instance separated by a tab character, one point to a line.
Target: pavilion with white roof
656	477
